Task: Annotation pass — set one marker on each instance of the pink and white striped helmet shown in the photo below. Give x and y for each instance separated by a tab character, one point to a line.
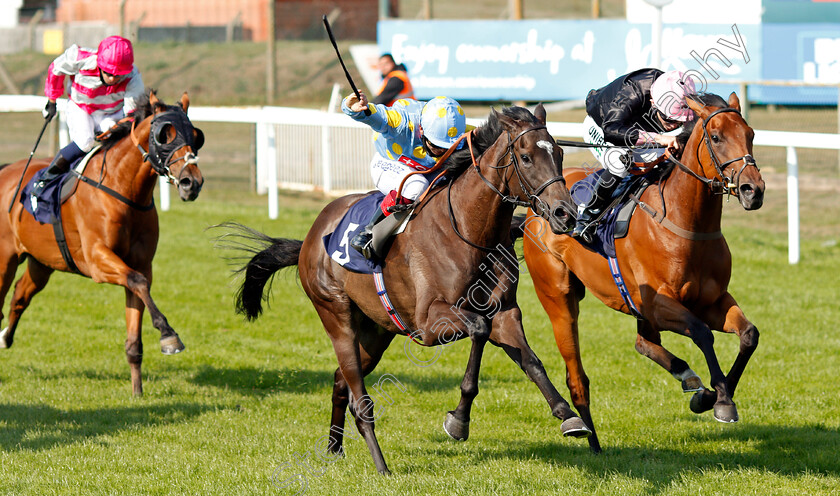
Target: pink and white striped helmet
115	55
668	92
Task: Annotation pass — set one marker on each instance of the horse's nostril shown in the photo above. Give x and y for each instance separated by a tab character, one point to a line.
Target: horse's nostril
747	190
185	183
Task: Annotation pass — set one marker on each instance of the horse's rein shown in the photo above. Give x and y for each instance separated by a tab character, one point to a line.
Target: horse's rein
726	185
534	197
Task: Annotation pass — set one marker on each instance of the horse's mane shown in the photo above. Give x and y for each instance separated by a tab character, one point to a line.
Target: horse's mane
123	129
707	100
484	137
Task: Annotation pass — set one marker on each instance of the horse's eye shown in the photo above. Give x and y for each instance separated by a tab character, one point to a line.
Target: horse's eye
526	159
715	138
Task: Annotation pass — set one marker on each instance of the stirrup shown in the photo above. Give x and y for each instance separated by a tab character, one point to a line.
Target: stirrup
584	231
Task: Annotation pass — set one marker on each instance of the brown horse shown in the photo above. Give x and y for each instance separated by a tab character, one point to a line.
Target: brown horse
110	224
445	288
676	266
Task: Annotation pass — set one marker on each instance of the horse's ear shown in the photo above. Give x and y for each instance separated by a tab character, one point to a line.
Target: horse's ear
505	120
153	99
698	108
539	113
185	102
734	102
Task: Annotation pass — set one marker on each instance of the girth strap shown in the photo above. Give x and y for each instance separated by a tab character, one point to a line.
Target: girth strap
58	229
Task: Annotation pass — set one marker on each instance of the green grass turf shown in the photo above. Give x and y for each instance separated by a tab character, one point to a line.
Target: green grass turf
245	399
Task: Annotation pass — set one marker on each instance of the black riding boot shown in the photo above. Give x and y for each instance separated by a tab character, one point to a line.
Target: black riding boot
600	199
59	165
362	241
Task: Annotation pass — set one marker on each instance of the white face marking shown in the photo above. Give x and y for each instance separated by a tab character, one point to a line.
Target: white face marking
548	147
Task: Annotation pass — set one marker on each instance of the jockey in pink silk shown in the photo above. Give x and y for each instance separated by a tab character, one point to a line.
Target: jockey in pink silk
104	87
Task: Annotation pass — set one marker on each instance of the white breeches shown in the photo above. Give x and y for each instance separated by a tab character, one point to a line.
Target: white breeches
611	158
84	127
388	174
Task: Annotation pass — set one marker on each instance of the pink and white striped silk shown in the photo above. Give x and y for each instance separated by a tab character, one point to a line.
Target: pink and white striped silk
87	89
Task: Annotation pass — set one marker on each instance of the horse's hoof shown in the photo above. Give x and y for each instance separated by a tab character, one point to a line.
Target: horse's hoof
171	345
726	413
457	429
575	427
3	342
692	384
697	403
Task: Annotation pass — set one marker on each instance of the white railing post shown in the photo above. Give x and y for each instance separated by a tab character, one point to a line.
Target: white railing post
793	205
271	178
326	158
164	194
262	157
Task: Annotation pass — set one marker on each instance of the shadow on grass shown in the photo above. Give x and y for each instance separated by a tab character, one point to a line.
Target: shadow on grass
261	382
40	427
782	450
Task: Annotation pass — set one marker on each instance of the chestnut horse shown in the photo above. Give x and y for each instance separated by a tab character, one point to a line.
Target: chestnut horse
676	266
110	224
457	245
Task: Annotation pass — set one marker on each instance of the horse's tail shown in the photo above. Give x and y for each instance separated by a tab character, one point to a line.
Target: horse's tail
270	256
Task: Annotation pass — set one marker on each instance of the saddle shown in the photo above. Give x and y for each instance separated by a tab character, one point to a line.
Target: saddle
337	243
614	221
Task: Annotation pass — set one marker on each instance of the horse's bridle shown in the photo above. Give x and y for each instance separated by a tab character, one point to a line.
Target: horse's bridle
727	184
160	155
533	199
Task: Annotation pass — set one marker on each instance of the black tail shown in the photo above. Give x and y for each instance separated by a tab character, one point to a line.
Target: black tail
270	255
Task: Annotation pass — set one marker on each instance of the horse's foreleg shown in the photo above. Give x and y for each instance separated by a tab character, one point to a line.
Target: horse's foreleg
649	344
33	280
508	334
457	422
560	292
728	317
670	314
134	341
109	268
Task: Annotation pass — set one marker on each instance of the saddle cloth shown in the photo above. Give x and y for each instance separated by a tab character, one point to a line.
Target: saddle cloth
45	207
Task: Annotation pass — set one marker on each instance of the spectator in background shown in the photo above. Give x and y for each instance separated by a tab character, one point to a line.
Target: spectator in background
395	83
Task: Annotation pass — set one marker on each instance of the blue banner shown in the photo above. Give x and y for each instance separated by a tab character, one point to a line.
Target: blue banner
800	52
558	59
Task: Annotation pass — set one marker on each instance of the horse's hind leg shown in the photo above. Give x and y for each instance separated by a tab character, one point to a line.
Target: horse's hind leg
33	280
337	322
372	344
729	317
649	344
8	266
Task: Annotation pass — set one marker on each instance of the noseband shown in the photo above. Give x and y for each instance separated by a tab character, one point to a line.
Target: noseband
728	184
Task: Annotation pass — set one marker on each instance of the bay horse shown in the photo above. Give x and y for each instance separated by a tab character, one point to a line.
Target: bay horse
110	223
434	269
676	266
